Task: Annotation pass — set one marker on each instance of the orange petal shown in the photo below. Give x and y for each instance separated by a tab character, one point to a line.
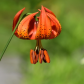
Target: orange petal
48	28
56	27
46	56
41	25
49	11
16	18
26	26
33	32
44	26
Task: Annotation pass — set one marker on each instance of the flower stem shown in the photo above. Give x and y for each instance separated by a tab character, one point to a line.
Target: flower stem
10	38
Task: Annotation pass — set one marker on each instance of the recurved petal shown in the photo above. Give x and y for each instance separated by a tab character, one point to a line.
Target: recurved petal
16	18
56	27
44	26
49	11
26	26
41	25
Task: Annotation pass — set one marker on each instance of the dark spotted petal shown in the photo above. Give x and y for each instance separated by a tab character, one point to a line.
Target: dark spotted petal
16	18
26	26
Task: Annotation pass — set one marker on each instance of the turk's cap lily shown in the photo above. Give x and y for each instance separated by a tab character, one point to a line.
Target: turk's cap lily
47	26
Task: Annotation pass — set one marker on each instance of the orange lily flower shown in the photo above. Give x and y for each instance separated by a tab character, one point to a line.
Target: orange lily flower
47	27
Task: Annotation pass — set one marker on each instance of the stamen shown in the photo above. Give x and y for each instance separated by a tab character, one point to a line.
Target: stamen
40	45
31	56
39	10
46	56
39	52
41	56
37	46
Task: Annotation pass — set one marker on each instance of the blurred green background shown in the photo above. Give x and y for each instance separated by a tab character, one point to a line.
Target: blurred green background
66	51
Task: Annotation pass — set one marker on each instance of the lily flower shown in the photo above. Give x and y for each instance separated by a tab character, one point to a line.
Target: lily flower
47	27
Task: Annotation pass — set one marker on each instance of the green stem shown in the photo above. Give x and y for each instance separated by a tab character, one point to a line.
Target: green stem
10	38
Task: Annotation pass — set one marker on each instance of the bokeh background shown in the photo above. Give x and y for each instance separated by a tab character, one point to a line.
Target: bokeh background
66	51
